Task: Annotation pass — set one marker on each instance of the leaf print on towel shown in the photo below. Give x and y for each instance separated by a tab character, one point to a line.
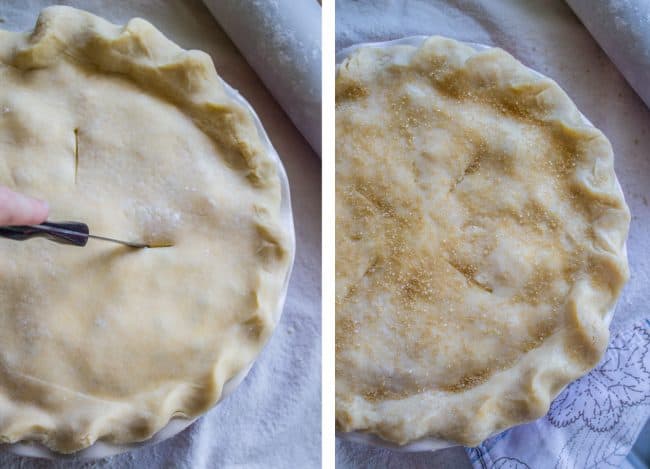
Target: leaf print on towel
509	463
621	380
592	424
601	405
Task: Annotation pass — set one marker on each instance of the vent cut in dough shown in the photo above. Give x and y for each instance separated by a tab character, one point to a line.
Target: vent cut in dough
122	129
480	235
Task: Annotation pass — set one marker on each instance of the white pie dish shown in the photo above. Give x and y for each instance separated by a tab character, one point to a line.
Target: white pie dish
424	444
101	449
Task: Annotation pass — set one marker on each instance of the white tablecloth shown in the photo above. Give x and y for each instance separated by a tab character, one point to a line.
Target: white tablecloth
547	36
281	40
273	419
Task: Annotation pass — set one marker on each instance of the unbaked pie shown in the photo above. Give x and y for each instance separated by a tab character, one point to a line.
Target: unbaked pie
124	130
480	235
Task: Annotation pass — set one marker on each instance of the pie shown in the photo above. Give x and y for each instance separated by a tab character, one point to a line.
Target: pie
122	129
480	242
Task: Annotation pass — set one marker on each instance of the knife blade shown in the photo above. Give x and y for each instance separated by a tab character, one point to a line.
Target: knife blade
69	232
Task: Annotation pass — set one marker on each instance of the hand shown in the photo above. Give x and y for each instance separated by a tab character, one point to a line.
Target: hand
18	209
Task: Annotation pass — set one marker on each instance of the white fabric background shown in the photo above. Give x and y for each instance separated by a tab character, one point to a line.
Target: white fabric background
281	40
548	37
622	28
273	419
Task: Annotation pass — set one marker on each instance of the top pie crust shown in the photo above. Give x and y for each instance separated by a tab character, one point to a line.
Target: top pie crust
122	129
480	235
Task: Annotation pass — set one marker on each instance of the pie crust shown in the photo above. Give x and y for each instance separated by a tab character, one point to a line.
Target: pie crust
480	242
124	130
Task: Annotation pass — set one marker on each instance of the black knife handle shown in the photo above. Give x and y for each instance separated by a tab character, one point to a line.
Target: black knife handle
76	232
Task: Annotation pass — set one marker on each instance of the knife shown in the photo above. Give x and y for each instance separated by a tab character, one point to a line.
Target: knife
67	232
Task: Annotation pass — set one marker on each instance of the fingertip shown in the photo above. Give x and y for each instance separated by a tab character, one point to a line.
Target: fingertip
19	209
27	211
41	211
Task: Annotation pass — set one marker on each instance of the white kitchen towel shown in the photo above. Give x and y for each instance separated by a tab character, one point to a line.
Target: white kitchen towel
548	37
273	419
281	40
622	28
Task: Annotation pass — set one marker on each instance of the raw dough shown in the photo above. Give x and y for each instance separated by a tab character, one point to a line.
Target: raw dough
122	129
480	235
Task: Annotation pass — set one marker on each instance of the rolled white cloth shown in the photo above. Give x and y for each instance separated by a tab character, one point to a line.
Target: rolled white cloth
281	40
622	29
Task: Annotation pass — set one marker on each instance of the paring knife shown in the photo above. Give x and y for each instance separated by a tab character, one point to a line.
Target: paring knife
67	232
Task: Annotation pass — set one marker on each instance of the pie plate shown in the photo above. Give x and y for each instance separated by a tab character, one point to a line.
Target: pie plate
427	443
102	449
